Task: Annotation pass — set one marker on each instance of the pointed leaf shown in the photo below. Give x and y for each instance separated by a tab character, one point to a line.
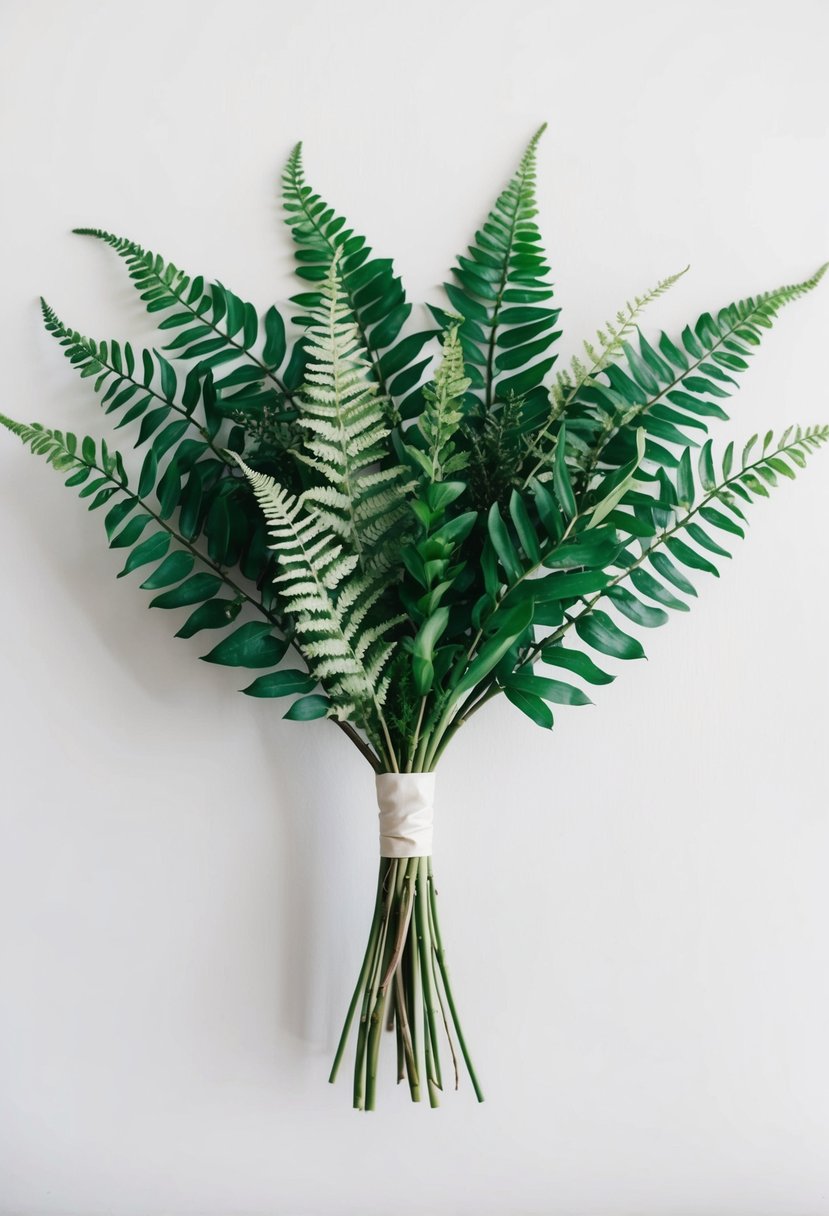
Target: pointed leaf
599	631
280	684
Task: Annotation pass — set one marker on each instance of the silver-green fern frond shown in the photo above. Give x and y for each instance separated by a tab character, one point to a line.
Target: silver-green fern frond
608	344
342	415
334	607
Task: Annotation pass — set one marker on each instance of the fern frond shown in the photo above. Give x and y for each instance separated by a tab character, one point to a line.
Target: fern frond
373	293
437	451
212	324
671	388
185	464
346	433
498	451
674	526
131	523
680	534
318	583
115	368
608	344
502	292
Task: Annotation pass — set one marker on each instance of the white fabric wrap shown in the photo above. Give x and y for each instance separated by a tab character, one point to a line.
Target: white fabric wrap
407	807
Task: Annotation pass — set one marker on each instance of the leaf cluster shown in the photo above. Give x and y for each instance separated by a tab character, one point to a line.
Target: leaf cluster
426	516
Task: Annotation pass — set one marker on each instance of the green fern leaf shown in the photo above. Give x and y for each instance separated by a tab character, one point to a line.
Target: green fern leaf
503	295
671	388
434	443
101	476
684	522
373	294
151	393
212	325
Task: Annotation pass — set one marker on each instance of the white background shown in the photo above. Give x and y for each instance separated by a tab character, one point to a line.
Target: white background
636	905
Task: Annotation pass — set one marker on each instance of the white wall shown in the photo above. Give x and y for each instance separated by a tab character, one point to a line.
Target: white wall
636	906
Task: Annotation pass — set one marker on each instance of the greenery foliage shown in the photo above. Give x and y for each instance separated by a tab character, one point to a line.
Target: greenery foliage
441	513
427	517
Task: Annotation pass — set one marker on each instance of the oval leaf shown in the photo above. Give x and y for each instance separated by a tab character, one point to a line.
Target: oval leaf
308	708
281	684
251	645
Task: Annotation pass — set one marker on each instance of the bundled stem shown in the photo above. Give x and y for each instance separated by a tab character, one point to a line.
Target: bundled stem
404	986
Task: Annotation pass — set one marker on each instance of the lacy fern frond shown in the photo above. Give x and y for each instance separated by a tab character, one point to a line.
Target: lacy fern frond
335	608
607	346
362	498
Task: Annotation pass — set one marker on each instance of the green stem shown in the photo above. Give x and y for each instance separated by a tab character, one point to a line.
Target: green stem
499	298
388	874
414	1004
433	1072
403	975
378	1004
413	750
364	971
450	999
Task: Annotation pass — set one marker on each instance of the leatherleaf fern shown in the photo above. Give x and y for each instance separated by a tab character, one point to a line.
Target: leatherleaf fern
391	521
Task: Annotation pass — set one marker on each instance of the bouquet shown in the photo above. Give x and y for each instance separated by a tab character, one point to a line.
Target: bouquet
423	519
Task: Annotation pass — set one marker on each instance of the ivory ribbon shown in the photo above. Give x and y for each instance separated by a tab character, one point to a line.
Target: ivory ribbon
407	806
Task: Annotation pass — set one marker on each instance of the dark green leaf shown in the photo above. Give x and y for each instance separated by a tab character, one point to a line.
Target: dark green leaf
549	690
275	344
719	520
130	533
251	645
635	610
150	550
281	684
663	564
535	709
215	614
565	586
577	662
689	557
648	585
524	528
191	591
117	514
599	631
502	543
596	548
561	478
307	708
